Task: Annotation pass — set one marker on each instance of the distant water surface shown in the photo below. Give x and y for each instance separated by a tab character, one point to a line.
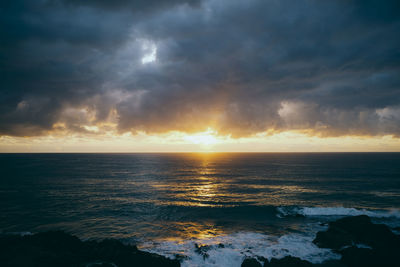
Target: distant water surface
268	204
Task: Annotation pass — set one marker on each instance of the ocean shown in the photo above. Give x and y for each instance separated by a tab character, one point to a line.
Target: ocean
239	204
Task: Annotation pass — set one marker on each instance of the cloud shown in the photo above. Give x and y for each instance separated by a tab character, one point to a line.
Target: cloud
239	67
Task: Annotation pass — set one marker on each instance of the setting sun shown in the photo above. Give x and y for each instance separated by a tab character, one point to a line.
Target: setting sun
207	138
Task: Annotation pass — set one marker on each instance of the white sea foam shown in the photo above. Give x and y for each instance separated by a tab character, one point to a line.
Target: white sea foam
240	245
337	211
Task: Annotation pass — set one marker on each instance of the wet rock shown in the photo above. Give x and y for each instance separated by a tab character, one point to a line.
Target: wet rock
287	261
290	261
262	259
354	256
357	239
202	250
101	264
356	230
330	263
250	262
63	250
361	242
181	257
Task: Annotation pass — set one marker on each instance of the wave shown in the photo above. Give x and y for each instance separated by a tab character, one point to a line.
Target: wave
336	211
255	212
230	250
249	212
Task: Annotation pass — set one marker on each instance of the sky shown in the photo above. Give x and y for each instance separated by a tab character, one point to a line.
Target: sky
203	75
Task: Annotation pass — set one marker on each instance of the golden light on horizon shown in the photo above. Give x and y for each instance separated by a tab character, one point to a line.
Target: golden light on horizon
206	141
206	138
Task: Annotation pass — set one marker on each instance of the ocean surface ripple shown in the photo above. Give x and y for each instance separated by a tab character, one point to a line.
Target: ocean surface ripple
261	204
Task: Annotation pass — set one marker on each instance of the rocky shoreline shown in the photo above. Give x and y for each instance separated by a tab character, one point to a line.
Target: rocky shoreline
357	239
59	249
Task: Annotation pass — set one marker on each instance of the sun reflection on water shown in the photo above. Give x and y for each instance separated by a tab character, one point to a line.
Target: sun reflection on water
204	182
193	230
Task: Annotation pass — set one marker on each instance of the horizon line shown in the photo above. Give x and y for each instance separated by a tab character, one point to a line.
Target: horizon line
207	152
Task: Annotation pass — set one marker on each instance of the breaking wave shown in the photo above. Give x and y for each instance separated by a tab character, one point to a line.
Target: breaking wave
230	250
336	211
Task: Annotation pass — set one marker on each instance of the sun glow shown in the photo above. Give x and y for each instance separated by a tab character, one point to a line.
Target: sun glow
207	138
95	139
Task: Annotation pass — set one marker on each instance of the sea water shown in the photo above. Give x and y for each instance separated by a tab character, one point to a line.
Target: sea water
232	204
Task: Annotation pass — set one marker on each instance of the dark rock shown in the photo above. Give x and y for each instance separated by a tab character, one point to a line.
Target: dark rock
180	257
101	264
287	261
261	258
356	230
330	263
345	234
290	261
59	249
249	262
202	250
354	256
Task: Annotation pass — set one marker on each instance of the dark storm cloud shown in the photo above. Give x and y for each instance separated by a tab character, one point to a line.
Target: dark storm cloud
241	67
135	6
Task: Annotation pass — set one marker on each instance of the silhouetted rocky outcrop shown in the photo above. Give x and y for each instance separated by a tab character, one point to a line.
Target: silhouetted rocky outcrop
357	230
60	249
361	242
287	261
249	262
357	239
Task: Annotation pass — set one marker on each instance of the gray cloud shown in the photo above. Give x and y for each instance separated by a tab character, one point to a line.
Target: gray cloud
241	67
